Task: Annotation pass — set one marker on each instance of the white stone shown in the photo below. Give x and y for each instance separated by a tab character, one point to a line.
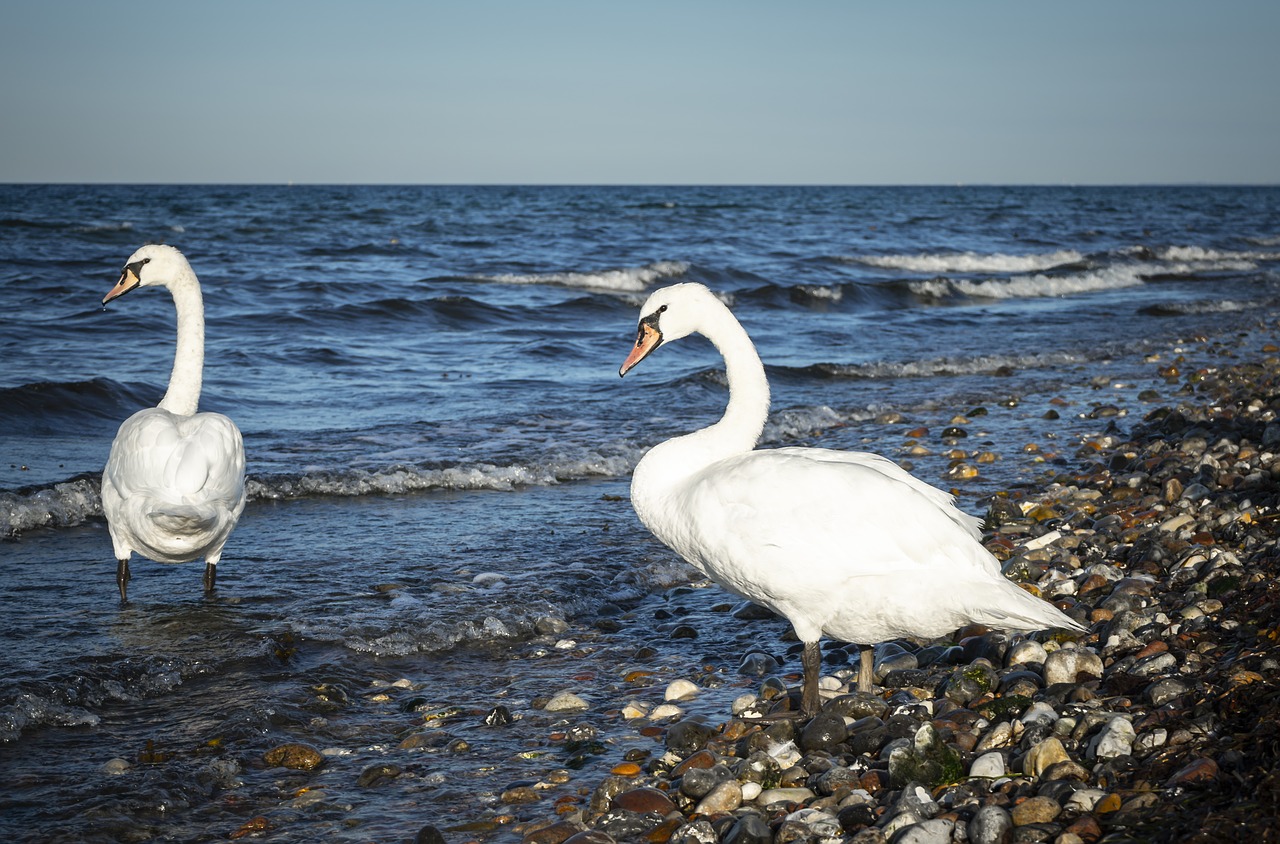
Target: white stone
635	709
1026	651
743	702
1084	800
1116	739
725	797
784	795
665	710
785	754
750	791
936	831
681	690
116	766
988	765
565	702
1039	713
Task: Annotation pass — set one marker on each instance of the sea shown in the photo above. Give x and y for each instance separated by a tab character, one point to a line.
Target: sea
438	537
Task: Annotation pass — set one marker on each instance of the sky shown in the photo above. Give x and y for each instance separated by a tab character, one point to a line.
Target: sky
653	92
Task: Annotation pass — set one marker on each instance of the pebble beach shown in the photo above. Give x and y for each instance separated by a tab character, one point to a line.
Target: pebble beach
1158	725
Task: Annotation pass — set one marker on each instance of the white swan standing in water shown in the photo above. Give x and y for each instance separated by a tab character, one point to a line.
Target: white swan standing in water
173	487
840	543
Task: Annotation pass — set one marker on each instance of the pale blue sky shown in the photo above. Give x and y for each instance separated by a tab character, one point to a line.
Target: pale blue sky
701	92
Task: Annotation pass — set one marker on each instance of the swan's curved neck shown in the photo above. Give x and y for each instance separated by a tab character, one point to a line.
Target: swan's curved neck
668	464
740	427
183	395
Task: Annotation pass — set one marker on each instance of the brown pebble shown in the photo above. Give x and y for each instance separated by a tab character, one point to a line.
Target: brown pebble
300	757
590	836
555	833
1035	810
1086	828
1155	647
519	795
627	769
700	759
1108	804
644	800
258	824
1199	770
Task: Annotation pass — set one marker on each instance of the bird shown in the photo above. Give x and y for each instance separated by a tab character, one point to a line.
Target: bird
844	544
173	487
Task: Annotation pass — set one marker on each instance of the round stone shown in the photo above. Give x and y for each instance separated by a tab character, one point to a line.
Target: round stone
989	766
299	757
565	702
1071	665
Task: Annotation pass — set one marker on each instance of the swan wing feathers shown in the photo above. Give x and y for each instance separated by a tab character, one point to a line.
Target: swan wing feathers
845	543
820	507
176	483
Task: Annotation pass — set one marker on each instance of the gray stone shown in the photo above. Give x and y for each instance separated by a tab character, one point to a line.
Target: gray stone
990	825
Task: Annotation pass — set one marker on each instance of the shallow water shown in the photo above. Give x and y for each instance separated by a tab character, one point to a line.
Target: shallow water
439	449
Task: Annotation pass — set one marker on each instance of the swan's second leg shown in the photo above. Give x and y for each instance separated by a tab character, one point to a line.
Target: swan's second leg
122	579
210	576
866	662
810	700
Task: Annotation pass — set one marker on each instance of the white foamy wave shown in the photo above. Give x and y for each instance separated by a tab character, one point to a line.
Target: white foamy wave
949	366
969	262
29	711
61	505
627	280
1028	286
404	479
1269	240
814	291
1214	306
1221	259
802	422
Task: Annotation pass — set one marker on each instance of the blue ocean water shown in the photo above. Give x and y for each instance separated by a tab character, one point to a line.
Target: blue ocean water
439	449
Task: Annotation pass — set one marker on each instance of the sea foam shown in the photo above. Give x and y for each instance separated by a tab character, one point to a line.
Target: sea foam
969	262
626	280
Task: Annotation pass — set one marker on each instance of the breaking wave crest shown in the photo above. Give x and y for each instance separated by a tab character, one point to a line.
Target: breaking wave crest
626	280
969	262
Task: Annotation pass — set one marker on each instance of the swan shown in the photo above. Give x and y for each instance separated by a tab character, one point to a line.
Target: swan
173	488
841	543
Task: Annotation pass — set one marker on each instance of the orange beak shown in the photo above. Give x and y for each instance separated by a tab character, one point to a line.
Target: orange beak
128	280
647	339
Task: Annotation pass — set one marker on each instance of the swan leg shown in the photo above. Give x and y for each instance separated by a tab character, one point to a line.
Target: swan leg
810	701
210	576
866	663
122	579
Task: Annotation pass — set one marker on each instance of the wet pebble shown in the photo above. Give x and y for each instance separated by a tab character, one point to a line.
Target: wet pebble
301	757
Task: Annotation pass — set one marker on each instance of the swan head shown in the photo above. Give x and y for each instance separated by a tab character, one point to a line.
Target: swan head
152	264
669	314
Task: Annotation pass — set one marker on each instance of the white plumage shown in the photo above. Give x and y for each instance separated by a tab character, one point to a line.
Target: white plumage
173	488
843	544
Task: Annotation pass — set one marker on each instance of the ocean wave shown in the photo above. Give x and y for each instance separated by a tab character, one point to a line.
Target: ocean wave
968	262
75	501
1212	306
98	397
1230	260
403	479
1029	286
626	280
63	504
944	366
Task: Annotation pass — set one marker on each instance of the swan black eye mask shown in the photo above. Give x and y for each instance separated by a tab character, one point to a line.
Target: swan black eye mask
130	278
648	338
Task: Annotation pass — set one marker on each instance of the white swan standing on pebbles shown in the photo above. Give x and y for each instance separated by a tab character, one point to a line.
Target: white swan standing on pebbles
173	487
841	543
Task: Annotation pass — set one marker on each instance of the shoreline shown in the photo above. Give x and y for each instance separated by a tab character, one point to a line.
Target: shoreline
1159	724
